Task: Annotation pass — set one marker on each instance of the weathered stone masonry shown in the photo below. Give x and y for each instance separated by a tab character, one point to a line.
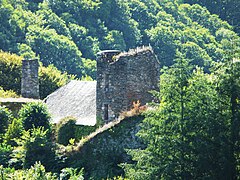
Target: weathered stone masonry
30	82
123	78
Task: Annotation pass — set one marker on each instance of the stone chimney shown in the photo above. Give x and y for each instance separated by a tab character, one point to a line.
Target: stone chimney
30	82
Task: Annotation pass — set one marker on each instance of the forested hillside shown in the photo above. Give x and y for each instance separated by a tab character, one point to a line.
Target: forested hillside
69	33
194	130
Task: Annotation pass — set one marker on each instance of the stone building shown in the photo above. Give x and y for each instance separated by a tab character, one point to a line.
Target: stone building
124	78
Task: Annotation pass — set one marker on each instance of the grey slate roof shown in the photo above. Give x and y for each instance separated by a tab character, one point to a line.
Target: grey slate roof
76	99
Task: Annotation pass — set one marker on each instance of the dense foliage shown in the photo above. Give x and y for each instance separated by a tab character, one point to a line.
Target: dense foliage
66	130
66	33
227	10
34	115
193	133
50	78
5	118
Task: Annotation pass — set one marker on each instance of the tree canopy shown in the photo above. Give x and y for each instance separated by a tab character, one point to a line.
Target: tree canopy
192	133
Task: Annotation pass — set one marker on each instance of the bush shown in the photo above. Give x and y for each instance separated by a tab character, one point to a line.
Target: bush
50	79
7	94
66	130
71	174
34	114
82	131
34	145
5	151
14	131
5	118
36	172
10	73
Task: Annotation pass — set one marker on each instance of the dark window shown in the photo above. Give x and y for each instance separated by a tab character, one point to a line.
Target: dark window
106	82
105	111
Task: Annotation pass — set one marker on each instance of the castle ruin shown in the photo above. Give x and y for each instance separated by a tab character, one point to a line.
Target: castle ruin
124	78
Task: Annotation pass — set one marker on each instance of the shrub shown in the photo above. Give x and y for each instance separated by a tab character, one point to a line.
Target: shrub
50	79
66	130
14	131
36	172
34	114
10	71
71	174
7	94
82	131
5	151
34	146
5	118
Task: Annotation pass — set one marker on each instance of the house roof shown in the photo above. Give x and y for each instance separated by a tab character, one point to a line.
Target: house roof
76	99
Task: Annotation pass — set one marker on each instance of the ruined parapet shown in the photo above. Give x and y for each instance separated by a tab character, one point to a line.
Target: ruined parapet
124	78
30	82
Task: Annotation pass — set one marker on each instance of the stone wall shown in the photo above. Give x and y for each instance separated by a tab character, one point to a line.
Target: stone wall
101	155
123	78
30	82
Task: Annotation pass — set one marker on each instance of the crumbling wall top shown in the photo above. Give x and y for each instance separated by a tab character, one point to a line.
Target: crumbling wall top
107	55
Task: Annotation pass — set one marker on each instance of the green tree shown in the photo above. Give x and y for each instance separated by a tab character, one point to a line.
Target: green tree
87	44
10	72
50	79
35	146
229	89
66	130
227	10
5	119
14	131
186	135
55	49
34	115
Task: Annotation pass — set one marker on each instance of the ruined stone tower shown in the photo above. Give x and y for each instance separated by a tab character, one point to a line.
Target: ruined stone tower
123	78
30	83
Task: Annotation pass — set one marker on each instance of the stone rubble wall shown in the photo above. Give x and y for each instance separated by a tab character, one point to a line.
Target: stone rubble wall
129	77
30	82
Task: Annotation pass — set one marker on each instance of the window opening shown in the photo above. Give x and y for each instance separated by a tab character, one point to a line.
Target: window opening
105	111
107	82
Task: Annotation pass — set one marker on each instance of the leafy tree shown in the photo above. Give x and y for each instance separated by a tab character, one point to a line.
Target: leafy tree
186	135
117	16
50	79
5	151
66	130
26	51
55	49
10	72
14	131
114	40
88	45
6	94
226	9
229	89
5	119
52	21
35	146
90	68
34	115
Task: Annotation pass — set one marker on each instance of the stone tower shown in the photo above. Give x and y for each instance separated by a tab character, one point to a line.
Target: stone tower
124	78
30	82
